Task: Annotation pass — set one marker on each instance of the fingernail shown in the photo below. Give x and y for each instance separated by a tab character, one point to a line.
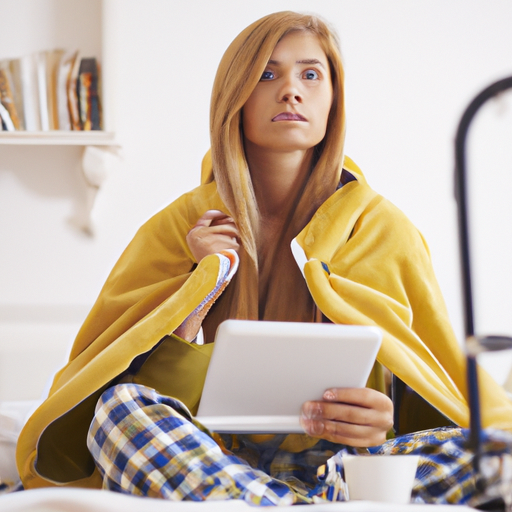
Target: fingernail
313	428
329	395
309	421
312	411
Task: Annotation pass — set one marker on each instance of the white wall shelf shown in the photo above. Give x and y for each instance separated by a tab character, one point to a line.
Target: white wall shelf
90	27
69	25
59	138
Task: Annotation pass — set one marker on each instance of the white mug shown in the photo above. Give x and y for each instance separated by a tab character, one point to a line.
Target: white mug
386	478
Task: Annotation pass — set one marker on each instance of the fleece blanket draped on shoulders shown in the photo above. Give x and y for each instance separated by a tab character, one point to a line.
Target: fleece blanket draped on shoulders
366	264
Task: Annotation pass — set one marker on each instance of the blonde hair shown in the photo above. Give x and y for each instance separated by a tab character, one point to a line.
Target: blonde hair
238	74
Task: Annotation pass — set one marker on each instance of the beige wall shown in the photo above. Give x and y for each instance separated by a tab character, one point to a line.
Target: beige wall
411	69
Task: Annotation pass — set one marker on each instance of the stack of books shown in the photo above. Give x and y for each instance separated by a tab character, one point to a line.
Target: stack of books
50	90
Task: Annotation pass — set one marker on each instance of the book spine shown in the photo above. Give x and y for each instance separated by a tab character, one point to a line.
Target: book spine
7	94
7	123
30	93
42	89
87	91
53	59
73	95
15	69
63	74
95	99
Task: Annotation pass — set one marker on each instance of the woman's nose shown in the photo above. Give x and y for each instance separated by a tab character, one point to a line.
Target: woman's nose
289	92
291	98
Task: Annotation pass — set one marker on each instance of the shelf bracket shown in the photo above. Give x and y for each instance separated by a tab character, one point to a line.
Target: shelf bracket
97	165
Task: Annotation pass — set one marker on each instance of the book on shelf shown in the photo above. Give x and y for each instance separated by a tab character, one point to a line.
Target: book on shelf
74	112
87	92
7	99
15	69
52	60
42	90
5	120
64	69
50	90
30	93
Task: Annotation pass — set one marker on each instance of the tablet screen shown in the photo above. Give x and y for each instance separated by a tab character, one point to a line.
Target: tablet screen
261	372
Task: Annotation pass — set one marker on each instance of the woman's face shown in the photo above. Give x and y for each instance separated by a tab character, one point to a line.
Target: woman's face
289	108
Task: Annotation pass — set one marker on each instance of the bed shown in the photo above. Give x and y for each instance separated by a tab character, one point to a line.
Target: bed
14	414
83	500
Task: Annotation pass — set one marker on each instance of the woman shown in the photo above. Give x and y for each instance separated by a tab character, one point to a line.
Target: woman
276	173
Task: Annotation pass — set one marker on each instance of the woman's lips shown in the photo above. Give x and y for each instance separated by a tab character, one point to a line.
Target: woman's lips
289	116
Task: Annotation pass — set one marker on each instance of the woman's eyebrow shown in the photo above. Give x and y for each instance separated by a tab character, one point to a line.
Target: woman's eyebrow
301	61
311	61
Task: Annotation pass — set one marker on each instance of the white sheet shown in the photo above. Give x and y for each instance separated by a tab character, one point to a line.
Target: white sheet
12	418
87	500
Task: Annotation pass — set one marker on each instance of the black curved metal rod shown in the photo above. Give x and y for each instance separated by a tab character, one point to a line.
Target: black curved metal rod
461	192
461	196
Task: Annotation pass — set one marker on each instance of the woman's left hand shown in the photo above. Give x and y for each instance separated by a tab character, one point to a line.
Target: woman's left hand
353	416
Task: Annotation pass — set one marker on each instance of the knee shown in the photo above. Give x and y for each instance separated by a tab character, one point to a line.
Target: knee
126	401
117	408
124	397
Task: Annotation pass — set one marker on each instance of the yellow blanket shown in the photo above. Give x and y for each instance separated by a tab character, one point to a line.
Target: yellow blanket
367	265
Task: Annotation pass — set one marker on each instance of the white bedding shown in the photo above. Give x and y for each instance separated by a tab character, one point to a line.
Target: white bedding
86	500
12	418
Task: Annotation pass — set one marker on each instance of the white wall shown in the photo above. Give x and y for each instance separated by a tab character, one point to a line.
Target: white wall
411	69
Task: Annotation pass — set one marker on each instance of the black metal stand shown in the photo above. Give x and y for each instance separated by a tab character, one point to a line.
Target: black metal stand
461	196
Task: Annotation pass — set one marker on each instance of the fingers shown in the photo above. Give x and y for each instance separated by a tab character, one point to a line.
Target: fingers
228	230
345	433
346	424
357	417
364	397
214	217
213	232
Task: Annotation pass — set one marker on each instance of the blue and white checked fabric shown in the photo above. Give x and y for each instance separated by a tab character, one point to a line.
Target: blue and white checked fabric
147	444
445	472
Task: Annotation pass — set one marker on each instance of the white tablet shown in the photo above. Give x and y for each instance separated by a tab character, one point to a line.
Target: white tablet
261	373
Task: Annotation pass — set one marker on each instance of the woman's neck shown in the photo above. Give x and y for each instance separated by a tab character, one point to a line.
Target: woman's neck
278	178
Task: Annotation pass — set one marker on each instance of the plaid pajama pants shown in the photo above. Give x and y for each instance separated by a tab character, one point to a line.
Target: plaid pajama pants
147	444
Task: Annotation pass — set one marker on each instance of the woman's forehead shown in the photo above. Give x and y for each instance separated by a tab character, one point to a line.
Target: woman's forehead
303	45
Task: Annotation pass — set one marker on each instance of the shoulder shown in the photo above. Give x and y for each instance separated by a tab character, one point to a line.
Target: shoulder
385	231
390	222
168	227
357	220
187	208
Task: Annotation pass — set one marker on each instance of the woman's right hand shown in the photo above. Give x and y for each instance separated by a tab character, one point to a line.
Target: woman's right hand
214	232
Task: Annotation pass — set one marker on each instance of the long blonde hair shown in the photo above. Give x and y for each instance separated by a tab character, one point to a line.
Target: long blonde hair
238	74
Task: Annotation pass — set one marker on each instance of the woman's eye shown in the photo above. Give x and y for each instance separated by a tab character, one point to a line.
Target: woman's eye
267	75
310	74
